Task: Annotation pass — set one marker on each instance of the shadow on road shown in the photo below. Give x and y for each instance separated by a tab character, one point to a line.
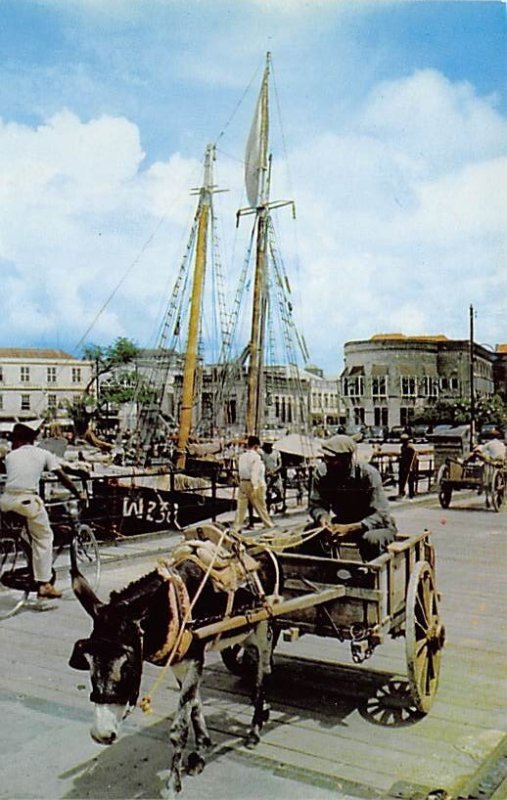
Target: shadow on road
315	693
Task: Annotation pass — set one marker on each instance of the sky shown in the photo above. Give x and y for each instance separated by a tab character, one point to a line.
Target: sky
389	132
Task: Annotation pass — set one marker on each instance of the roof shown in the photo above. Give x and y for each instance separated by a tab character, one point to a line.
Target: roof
33	352
402	337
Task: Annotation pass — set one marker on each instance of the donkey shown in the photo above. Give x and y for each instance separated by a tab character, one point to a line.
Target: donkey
133	626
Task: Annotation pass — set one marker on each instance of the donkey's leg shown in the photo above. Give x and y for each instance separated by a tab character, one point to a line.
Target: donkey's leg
196	761
263	640
188	674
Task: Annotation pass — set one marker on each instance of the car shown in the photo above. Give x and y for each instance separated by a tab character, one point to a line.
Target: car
395	432
420	432
490	430
375	433
356	432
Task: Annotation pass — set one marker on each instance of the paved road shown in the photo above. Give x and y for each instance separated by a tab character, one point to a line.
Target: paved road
331	734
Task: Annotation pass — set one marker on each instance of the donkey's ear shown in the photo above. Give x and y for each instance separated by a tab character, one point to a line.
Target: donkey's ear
86	595
81	587
78	658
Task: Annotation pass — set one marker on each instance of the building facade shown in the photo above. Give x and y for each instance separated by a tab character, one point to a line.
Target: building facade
293	399
389	378
38	383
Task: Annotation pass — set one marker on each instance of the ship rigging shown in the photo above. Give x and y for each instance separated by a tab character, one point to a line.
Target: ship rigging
244	380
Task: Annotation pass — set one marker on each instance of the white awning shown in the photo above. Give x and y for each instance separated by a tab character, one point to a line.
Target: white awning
299	444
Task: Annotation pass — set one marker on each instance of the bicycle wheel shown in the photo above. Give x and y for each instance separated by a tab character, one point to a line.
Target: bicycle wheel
88	559
15	577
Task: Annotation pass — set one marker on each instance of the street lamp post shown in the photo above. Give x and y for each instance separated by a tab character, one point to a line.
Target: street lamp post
472	384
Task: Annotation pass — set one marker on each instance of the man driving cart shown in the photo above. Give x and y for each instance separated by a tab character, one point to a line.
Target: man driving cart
347	498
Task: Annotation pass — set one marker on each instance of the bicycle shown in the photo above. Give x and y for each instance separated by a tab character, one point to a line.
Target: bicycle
16	577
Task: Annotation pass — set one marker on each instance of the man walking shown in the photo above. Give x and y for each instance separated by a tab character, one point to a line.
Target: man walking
252	485
408	467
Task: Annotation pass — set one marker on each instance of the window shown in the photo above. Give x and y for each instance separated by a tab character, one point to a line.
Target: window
381	415
406	416
51	402
379	386
76	374
25	402
24	374
408	387
354	387
51	374
359	416
1	401
1	374
454	384
429	386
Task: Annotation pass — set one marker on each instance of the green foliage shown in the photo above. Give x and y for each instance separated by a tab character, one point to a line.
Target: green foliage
122	351
78	409
125	387
487	408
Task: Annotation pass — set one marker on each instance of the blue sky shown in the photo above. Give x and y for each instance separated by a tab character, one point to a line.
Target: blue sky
391	138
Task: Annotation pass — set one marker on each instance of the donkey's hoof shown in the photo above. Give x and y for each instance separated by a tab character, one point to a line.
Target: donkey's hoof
195	764
171	790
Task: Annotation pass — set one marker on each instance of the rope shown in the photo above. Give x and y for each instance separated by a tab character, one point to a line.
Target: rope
146	701
278	542
275	543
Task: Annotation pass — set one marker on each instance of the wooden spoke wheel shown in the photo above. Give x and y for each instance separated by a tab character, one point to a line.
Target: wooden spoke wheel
444	491
424	636
498	489
240	660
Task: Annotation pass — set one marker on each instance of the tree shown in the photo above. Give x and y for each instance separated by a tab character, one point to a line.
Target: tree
106	359
487	408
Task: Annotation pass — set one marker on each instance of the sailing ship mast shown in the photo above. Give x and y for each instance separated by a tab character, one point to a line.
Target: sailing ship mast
257	180
189	373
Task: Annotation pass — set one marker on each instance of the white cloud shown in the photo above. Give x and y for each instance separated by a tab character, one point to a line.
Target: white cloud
401	222
404	215
78	208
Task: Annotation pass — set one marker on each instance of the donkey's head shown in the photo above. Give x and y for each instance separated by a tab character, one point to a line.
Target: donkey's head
113	655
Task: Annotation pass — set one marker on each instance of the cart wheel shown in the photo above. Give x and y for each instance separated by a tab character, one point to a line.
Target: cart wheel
424	636
444	496
444	491
498	489
240	660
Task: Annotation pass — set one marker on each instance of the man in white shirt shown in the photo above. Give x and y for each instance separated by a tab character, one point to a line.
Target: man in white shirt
252	485
24	467
492	453
494	450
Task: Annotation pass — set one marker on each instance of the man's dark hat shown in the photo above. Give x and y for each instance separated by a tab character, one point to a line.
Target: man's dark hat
24	432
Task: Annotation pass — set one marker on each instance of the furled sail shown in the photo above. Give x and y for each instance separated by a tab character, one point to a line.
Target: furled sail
255	155
253	158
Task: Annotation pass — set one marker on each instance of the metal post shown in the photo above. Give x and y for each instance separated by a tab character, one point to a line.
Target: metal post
472	386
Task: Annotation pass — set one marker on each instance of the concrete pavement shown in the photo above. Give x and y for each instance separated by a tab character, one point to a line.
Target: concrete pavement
337	730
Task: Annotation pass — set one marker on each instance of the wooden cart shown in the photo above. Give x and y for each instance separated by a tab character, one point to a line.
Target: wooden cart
487	478
361	603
